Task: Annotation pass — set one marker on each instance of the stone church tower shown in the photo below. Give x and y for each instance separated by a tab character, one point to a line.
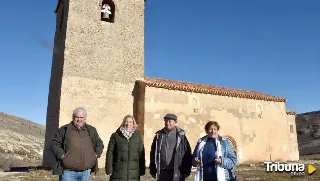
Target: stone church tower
96	59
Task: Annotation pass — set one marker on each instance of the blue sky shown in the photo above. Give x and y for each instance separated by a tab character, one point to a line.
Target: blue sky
270	46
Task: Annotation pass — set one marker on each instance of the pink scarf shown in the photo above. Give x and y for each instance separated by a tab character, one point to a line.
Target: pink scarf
127	132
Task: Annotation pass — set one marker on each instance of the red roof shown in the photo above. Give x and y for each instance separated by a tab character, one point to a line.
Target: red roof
208	89
289	112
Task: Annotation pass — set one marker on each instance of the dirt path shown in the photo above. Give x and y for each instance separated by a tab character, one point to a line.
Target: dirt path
3	174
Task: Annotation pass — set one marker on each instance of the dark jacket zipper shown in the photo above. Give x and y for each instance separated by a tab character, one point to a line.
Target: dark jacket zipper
128	160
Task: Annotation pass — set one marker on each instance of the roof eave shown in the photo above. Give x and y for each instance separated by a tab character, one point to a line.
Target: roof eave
289	112
148	82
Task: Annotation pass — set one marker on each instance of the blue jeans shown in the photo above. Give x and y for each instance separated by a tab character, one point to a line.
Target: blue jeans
70	175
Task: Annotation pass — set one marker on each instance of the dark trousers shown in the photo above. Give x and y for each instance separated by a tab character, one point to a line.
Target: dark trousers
166	175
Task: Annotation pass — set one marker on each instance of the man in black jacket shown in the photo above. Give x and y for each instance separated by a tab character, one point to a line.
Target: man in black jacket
76	147
170	155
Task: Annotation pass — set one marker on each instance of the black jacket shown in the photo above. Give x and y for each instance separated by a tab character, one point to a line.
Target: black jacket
59	146
125	159
182	157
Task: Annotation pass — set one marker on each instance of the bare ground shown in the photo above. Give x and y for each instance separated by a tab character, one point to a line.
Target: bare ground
22	141
246	172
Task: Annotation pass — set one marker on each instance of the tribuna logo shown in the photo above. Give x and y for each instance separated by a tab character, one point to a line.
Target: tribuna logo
295	169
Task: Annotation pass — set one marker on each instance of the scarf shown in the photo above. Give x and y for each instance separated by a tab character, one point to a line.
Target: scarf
219	169
127	132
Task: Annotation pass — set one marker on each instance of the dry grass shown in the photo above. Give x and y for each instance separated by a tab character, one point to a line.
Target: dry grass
310	157
246	172
9	161
21	141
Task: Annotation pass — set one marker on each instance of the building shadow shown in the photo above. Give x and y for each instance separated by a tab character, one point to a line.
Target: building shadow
27	169
54	96
138	94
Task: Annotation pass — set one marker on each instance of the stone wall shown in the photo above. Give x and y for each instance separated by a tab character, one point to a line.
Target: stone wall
259	128
101	62
292	136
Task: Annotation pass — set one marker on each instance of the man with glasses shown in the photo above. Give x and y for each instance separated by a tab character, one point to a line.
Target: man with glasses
76	147
170	156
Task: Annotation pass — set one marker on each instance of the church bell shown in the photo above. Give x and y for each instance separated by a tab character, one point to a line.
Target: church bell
107	11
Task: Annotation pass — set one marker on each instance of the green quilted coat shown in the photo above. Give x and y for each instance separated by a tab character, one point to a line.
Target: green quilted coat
125	160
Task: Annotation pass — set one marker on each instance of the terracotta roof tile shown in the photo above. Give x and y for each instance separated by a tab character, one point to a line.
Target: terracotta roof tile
208	89
289	112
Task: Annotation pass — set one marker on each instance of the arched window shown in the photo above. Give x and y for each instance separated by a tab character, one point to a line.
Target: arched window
108	11
259	110
194	104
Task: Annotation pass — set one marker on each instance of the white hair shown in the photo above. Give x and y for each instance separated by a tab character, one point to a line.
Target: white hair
79	109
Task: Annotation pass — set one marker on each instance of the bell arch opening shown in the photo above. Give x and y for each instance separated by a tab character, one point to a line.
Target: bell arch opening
108	8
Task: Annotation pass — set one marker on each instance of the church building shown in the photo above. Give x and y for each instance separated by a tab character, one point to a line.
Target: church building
98	64
257	124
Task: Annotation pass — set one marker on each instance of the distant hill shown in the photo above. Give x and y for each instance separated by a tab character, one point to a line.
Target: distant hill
21	141
308	129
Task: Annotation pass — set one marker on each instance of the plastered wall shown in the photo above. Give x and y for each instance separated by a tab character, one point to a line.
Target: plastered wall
259	128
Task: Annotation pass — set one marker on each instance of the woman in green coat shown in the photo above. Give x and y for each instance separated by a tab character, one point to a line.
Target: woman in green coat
125	159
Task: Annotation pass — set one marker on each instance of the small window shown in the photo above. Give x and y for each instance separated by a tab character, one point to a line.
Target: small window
291	128
108	11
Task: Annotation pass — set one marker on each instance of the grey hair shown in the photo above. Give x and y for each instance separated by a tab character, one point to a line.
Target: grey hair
79	109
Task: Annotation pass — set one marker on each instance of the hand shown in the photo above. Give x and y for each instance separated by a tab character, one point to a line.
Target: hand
218	161
197	161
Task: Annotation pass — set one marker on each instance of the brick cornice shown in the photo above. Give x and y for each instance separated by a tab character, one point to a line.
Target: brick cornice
208	89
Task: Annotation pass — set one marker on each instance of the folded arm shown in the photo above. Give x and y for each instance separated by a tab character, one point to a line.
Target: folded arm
152	166
109	156
99	144
194	155
230	158
142	161
57	145
187	158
